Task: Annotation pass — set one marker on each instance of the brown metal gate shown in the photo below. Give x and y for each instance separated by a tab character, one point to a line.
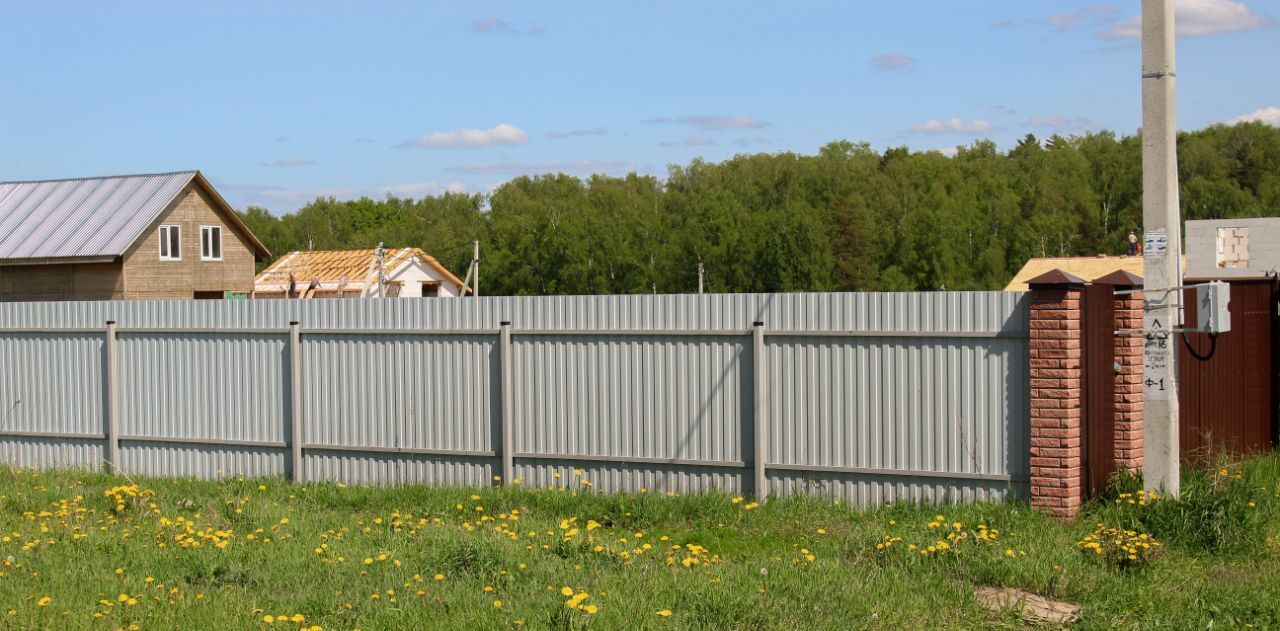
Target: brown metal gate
1229	400
1098	360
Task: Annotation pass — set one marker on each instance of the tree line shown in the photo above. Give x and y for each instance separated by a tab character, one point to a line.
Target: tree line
849	218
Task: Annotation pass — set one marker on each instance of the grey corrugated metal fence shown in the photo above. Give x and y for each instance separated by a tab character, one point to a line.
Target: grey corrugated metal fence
867	397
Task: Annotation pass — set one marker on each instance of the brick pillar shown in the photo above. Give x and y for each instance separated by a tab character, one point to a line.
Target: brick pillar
1128	349
1057	403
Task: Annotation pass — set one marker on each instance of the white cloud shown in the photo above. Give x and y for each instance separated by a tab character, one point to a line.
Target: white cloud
582	167
503	134
1268	115
1201	17
1063	21
561	135
1057	122
952	126
713	122
892	61
694	140
288	161
421	189
494	26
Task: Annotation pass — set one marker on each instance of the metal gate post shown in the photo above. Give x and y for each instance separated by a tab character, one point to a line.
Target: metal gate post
760	411
113	400
295	402
508	428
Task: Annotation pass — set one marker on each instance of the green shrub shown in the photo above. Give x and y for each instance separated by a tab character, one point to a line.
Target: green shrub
1217	509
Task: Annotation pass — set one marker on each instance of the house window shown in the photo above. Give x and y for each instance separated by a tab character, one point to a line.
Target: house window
170	243
211	243
430	289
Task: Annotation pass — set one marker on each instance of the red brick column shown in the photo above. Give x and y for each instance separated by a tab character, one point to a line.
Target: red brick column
1057	427
1128	348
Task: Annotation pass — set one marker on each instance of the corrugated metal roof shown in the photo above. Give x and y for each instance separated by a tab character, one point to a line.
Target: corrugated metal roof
97	217
336	265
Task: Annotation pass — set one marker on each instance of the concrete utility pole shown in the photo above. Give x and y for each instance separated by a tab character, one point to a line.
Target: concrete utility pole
475	265
1162	250
702	272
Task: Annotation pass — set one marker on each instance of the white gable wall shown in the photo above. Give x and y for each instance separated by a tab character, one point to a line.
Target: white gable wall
414	272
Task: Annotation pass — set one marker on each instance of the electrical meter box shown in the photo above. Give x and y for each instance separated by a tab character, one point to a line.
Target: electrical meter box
1212	301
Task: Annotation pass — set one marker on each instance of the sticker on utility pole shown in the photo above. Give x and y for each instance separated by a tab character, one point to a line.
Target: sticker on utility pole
1155	243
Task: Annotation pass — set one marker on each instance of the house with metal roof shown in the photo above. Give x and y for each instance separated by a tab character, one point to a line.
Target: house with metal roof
128	237
374	273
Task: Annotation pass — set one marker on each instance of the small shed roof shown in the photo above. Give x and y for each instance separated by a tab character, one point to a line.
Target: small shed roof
93	218
1088	268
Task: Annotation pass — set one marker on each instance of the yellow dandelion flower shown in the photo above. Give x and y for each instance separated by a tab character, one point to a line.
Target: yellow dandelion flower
665	613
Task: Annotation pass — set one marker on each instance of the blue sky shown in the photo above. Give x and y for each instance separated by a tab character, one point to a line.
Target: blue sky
278	102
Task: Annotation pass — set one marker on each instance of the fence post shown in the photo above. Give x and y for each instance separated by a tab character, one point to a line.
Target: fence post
295	402
113	400
759	411
1128	352
1057	411
508	429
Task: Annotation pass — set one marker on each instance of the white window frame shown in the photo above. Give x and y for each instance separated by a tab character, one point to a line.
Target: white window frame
165	239
210	230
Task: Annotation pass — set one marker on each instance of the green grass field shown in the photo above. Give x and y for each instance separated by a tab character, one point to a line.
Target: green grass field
82	551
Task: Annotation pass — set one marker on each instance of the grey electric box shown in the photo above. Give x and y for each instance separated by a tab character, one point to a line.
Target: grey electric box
1212	301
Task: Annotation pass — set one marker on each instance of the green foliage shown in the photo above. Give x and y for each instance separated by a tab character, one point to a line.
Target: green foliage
849	218
1223	505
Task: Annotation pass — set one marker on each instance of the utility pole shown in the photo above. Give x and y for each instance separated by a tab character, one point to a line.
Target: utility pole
475	265
702	272
1162	250
381	254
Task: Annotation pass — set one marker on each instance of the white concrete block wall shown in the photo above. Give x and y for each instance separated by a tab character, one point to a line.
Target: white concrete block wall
1233	248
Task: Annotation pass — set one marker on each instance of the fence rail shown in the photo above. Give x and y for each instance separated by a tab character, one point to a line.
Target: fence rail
867	397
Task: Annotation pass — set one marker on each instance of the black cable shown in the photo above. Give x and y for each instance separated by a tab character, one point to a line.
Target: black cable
1213	347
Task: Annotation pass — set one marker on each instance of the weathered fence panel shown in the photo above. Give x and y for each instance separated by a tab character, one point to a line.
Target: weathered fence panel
868	397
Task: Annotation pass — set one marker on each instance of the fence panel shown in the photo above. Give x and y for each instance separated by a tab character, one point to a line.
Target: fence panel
664	403
882	419
196	403
430	394
52	383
